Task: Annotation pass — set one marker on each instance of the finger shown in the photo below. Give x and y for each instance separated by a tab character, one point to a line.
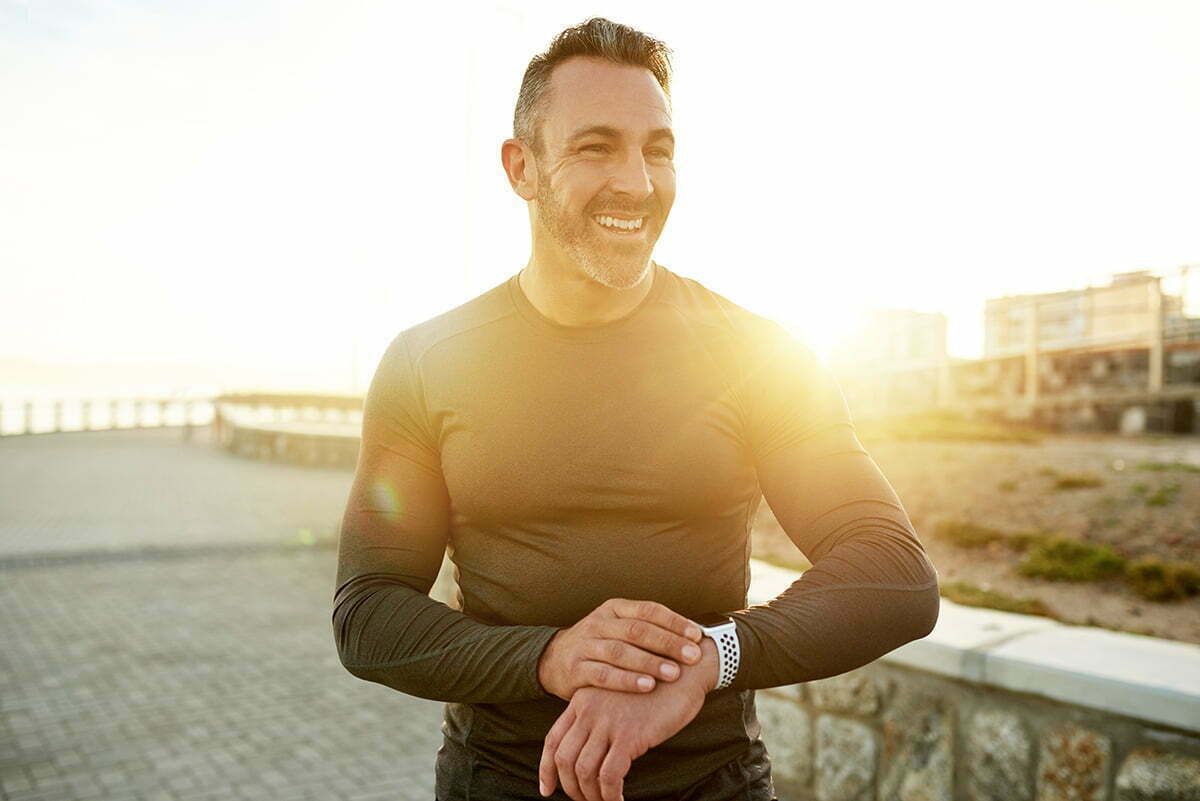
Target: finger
612	772
661	616
652	638
547	773
565	758
588	765
621	654
602	674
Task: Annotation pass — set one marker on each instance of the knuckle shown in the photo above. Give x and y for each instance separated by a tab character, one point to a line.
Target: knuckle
562	761
602	674
614	650
636	629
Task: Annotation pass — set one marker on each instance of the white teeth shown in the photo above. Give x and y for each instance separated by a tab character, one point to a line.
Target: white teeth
624	225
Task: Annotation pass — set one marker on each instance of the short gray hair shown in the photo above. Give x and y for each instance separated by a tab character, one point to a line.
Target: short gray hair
598	38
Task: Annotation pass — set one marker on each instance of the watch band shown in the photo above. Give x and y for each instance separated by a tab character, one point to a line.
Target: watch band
729	650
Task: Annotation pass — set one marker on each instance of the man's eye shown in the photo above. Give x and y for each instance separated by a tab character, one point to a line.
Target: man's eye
595	148
659	153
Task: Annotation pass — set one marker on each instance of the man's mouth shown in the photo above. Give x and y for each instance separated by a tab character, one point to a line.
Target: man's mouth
619	225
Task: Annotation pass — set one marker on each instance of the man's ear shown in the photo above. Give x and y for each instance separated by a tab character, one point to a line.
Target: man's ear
517	158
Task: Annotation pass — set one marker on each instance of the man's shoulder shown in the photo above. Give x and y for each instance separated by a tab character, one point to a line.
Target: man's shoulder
493	306
704	307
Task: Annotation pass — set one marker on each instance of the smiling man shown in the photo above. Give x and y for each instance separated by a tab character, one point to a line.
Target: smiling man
590	441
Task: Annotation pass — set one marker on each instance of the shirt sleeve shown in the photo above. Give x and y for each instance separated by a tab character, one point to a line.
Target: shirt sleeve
871	587
393	537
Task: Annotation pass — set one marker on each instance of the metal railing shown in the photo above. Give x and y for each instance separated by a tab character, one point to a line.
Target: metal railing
60	415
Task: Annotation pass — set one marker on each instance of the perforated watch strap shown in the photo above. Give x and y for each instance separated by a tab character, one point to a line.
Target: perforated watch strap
729	653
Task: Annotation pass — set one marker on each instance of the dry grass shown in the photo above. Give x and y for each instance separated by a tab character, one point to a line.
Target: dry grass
971	535
1183	467
1164	495
1070	481
943	425
1159	580
967	594
1064	559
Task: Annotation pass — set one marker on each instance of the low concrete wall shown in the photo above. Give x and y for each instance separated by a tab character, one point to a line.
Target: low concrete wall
991	706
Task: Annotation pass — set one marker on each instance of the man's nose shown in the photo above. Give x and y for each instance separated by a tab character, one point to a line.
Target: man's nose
630	177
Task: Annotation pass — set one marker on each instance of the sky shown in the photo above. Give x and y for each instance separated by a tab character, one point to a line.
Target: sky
269	191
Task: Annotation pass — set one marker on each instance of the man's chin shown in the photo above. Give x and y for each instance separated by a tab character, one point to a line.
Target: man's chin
617	276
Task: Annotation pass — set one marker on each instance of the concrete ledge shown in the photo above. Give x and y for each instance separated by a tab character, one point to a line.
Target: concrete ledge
1128	674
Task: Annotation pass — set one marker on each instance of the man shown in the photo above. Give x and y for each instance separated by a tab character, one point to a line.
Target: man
590	440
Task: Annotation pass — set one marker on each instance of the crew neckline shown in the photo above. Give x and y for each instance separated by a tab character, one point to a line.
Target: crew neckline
591	333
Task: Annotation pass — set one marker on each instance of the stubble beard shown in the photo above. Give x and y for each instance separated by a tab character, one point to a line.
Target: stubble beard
599	260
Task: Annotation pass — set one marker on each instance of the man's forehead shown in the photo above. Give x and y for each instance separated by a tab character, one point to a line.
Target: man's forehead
590	92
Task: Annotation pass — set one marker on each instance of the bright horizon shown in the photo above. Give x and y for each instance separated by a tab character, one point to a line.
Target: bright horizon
259	189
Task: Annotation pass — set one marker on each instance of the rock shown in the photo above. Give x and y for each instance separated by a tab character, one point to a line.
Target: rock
787	733
998	757
1152	775
846	754
1073	765
918	749
852	692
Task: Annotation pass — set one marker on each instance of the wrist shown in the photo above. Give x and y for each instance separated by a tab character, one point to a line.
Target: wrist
709	665
545	670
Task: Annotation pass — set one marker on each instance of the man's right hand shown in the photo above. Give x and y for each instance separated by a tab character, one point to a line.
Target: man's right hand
620	645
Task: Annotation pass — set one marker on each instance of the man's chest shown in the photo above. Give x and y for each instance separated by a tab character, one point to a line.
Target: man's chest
563	431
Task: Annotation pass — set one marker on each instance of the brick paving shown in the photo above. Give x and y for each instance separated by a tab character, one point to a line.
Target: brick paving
119	490
166	632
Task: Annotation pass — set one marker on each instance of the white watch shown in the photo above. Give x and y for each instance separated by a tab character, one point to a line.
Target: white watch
723	631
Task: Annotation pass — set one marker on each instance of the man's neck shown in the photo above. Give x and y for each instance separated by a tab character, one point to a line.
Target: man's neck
569	298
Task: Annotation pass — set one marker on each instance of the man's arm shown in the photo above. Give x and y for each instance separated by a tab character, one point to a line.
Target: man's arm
871	587
392	541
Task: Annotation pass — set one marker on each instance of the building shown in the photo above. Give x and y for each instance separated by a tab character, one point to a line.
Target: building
1131	311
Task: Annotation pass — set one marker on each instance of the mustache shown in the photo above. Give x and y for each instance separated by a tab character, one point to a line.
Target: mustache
618	207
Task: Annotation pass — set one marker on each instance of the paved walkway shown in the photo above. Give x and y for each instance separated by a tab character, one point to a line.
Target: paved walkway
165	614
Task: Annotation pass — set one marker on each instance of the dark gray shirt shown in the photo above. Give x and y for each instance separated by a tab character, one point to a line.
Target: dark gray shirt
562	466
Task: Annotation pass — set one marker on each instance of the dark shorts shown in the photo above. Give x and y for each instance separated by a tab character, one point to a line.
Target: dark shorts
460	778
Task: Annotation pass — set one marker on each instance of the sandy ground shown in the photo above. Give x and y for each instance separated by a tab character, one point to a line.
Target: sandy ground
1009	487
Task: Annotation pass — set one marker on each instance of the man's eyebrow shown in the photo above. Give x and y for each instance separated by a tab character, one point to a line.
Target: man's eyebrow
662	133
594	130
612	133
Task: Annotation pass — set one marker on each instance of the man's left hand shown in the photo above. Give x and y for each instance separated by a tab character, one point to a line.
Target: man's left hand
593	743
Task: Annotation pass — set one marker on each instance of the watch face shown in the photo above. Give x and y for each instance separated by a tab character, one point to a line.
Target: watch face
712	619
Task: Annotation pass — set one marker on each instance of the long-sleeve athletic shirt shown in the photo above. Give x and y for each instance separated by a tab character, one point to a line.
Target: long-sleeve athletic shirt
561	466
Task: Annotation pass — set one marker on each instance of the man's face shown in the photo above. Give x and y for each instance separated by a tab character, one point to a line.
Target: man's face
606	176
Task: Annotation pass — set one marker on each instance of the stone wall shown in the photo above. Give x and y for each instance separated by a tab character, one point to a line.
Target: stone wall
886	732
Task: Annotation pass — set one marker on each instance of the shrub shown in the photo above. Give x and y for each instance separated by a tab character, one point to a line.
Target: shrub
966	535
1024	540
1164	495
1158	580
1061	558
967	594
1007	486
970	535
1161	466
1067	481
